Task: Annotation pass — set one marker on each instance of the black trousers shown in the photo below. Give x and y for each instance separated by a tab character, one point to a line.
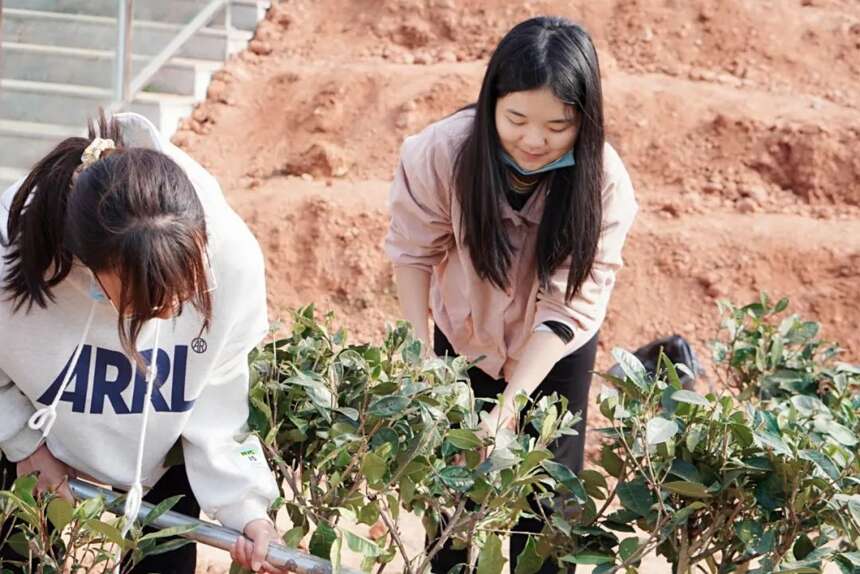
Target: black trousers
571	378
173	483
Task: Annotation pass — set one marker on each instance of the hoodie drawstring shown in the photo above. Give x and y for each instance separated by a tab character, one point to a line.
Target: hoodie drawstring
135	493
44	418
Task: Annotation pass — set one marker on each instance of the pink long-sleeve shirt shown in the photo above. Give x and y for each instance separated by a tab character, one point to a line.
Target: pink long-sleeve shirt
478	318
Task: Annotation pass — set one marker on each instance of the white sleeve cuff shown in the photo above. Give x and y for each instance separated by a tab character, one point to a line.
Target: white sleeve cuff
22	445
238	515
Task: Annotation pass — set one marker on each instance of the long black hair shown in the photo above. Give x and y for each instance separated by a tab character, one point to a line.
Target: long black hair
134	212
541	52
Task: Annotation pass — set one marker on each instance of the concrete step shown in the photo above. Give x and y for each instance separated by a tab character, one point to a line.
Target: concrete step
79	66
67	104
244	14
25	143
99	33
9	176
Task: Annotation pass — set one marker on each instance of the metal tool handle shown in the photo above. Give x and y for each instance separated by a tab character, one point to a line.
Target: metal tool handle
211	534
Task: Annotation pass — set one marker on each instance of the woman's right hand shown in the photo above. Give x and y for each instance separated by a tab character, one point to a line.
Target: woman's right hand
53	474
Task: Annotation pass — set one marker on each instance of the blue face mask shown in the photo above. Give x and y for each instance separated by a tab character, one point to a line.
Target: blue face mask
566	160
96	293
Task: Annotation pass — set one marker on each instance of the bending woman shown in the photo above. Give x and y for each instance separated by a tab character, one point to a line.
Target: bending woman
131	295
507	224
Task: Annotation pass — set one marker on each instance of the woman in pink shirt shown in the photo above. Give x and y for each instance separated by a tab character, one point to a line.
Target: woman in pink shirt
507	224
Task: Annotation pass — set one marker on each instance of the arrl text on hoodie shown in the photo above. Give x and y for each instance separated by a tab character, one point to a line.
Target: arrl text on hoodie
201	383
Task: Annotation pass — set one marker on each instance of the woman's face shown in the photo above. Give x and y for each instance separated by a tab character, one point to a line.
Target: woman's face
111	286
535	127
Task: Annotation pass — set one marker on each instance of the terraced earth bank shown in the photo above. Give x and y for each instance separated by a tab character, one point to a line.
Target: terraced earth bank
739	121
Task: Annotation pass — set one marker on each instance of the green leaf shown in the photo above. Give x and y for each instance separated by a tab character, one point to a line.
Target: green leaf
490	560
373	467
548	425
111	533
632	367
529	561
683	469
160	509
760	463
852	557
636	497
60	513
658	430
457	478
771	441
168	546
293	537
322	540
566	477
748	531
822	461
316	390
389	406
742	434
361	545
842	434
25	487
173	531
593	482
368	514
803	547
533	459
628	547
464	439
611	462
588	558
19	544
689	489
690	397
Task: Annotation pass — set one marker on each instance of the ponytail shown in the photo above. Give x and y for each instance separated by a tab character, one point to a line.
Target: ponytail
38	260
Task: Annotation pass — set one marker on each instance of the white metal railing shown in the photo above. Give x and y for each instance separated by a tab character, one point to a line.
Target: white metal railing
126	87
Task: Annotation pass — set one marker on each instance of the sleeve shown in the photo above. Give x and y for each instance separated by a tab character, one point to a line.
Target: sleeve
420	232
226	465
584	313
17	440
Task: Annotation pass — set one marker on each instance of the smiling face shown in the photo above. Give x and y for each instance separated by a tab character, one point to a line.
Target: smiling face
535	127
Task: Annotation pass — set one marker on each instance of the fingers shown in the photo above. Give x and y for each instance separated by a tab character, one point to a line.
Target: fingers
240	552
260	549
64	492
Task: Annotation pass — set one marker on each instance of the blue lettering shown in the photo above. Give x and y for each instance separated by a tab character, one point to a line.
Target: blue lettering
162	368
177	393
112	389
76	391
112	374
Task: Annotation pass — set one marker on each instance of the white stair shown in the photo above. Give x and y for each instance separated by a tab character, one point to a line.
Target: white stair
57	67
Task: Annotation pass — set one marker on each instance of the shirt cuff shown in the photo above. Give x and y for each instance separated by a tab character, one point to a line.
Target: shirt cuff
237	516
562	330
22	445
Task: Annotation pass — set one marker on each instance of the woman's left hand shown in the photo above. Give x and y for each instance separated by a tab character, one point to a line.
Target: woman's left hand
250	550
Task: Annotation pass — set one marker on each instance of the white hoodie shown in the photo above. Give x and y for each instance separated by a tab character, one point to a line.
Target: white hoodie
200	394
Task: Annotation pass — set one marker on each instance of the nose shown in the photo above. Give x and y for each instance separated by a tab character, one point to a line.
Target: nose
534	139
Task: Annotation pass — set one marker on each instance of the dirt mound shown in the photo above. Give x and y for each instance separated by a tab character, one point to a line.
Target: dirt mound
722	111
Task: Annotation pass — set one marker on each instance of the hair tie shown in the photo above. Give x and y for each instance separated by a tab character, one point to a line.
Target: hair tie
95	150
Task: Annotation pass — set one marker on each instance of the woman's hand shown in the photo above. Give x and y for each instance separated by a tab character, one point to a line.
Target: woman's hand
250	550
53	474
488	428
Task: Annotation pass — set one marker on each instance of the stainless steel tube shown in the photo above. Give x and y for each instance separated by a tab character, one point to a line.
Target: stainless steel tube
122	64
211	534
